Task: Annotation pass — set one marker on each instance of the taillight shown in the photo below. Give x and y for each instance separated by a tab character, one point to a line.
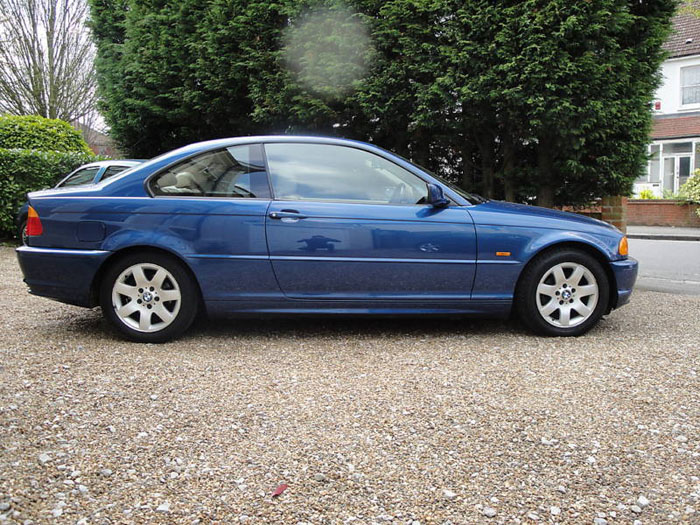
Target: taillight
33	223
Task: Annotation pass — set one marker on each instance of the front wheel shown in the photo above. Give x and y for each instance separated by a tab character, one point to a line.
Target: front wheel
562	293
149	298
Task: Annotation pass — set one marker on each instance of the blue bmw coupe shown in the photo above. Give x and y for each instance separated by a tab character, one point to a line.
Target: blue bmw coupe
307	225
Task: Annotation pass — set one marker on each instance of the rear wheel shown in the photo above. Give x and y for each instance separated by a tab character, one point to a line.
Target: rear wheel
149	298
22	231
562	293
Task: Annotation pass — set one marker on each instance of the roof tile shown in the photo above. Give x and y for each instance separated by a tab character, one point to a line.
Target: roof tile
685	37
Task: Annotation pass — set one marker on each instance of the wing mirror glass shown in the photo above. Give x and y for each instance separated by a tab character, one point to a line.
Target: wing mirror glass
436	197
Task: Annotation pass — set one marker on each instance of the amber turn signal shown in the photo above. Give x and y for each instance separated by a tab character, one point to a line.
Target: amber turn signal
623	249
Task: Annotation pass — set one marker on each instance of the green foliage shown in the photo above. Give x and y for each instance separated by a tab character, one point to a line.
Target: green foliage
522	99
22	171
690	191
646	194
34	132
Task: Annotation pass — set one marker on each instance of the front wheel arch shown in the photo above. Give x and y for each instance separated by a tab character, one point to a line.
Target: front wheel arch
586	248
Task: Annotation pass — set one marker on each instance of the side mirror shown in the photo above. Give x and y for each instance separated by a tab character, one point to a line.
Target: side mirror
436	197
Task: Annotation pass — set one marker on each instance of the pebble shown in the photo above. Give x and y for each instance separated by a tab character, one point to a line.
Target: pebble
320	477
555	511
448	494
318	396
4	506
44	458
106	472
163	507
489	512
642	501
636	509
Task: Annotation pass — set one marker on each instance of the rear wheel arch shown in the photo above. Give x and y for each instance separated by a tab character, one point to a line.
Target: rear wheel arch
118	255
581	246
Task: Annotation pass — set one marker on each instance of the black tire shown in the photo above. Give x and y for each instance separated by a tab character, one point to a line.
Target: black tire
544	266
22	232
177	280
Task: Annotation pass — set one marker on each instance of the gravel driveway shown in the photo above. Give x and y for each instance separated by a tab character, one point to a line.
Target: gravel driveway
366	421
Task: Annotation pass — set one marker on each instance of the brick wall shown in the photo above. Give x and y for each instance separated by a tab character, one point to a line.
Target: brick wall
614	211
657	212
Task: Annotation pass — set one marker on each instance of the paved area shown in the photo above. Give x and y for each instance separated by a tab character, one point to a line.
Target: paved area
663	233
420	421
667	266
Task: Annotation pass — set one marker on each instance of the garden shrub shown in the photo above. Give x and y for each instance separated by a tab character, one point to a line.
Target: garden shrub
22	171
39	133
690	191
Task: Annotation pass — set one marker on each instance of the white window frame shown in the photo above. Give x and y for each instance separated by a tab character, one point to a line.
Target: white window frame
694	105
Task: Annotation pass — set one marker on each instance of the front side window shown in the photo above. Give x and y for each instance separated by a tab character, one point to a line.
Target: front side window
234	172
80	177
690	85
323	172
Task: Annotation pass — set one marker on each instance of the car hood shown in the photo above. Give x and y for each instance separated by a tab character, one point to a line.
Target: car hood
483	213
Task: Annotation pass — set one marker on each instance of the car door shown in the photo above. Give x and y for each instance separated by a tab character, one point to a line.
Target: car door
211	208
349	224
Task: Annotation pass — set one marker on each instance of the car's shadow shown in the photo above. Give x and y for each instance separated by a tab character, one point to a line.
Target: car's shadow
350	326
303	326
318	327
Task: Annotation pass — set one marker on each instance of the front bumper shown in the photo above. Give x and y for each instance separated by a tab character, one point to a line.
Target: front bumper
60	274
625	273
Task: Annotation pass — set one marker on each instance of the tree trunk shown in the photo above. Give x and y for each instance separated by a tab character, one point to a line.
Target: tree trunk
467	152
488	165
509	153
545	168
421	149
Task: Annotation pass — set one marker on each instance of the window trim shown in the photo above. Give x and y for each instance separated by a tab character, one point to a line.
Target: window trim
345	201
147	180
60	184
455	199
690	105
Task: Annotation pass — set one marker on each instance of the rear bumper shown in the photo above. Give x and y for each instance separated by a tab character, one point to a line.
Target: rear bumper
63	275
625	273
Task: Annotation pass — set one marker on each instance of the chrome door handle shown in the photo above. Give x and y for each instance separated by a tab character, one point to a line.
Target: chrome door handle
286	215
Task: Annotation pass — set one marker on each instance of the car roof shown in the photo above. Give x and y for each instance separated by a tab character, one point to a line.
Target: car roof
197	147
118	162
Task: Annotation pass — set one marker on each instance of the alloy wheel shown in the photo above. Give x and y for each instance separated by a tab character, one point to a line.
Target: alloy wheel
567	295
146	297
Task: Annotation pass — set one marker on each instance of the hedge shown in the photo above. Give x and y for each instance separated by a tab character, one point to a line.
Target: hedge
34	132
22	171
